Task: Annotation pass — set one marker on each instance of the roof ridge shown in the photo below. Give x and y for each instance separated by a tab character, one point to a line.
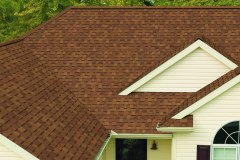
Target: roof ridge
110	7
155	7
11	42
21	38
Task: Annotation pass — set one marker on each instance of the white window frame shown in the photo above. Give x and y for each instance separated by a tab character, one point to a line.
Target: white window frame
235	146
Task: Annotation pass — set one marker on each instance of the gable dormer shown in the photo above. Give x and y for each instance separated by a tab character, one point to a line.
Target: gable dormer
188	71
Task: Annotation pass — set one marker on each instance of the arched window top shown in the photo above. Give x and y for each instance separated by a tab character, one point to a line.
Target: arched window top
228	134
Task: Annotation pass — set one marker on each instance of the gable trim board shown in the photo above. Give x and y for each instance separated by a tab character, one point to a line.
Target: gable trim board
17	149
175	59
207	98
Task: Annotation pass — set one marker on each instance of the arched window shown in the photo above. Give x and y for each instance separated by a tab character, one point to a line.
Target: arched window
226	144
228	134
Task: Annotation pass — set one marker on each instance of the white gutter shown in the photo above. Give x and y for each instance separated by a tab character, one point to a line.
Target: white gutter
141	136
175	129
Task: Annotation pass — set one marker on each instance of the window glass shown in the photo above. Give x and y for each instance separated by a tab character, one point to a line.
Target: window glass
228	134
131	149
218	154
230	153
220	137
235	137
225	154
231	127
230	140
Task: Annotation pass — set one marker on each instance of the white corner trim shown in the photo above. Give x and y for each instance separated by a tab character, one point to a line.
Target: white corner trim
176	58
100	152
17	149
175	129
207	98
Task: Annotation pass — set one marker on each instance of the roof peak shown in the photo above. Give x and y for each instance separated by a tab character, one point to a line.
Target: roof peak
154	7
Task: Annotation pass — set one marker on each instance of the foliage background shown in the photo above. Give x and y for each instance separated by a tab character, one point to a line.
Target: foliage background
19	16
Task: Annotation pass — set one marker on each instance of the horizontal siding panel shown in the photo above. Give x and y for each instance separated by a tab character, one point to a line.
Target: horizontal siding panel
207	121
202	74
229	103
8	154
10	158
229	109
190	74
153	86
179	81
167	90
220	115
187	155
3	149
197	66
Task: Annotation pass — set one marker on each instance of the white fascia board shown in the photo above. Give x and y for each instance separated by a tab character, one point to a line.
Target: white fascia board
207	98
142	136
17	149
175	129
176	58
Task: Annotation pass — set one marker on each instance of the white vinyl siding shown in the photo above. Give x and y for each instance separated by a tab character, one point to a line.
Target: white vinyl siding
190	74
162	153
8	154
207	121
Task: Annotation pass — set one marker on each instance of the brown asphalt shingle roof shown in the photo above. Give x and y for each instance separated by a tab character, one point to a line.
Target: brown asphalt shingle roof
39	114
97	52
